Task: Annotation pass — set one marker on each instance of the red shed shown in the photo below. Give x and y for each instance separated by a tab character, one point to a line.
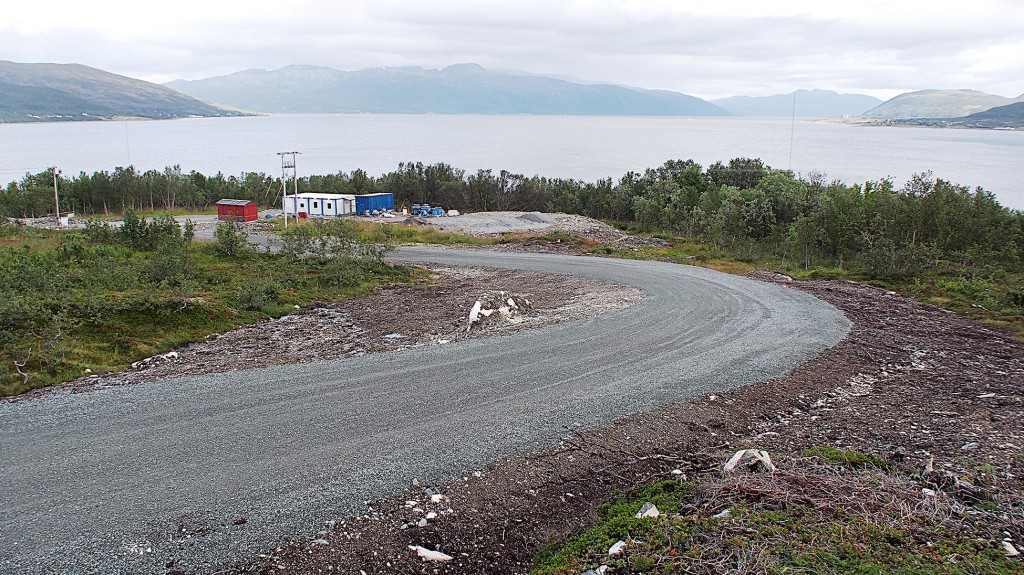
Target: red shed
237	210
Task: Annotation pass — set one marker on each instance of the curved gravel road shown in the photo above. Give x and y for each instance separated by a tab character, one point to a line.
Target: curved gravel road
198	473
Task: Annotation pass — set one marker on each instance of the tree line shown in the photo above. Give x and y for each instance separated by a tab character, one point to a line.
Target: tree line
742	206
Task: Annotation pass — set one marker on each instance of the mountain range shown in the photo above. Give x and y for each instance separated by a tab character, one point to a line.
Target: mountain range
802	103
457	89
63	92
48	92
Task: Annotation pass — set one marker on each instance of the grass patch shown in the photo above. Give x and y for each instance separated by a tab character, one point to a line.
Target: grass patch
73	301
809	517
414	234
851	458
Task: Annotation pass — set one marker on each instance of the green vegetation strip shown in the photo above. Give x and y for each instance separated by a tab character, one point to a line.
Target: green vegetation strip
938	241
830	512
95	301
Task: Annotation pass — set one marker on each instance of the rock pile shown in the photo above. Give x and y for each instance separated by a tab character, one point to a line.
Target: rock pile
501	305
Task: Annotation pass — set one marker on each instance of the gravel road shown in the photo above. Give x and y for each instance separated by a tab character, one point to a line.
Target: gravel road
195	474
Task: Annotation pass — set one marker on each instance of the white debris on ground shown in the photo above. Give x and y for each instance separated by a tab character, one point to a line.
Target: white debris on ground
508	307
430	554
648	511
750	459
153	361
618	549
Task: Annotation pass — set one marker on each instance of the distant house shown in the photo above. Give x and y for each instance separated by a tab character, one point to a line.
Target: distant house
317	204
237	210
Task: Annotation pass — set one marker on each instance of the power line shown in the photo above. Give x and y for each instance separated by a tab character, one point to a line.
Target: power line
286	165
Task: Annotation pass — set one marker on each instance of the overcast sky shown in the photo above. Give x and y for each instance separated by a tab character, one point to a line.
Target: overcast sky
710	48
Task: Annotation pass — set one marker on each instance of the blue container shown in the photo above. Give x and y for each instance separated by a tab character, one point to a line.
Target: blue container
371	202
437	212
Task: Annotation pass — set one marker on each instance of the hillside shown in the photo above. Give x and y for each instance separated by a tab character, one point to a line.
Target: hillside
809	104
938	104
1012	114
58	92
458	89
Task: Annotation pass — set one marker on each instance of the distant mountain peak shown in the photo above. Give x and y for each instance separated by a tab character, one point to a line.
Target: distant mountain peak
814	103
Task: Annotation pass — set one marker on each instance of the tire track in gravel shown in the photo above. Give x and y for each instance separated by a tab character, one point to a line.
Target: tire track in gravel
197	473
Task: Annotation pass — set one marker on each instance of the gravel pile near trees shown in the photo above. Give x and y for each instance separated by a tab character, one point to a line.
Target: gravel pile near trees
930	393
494	223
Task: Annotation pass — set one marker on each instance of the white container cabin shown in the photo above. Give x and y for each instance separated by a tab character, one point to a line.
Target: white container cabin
319	205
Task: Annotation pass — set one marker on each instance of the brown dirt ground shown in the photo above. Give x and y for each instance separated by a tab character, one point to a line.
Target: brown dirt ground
914	384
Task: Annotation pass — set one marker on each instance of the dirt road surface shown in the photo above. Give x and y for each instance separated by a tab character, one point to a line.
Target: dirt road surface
195	473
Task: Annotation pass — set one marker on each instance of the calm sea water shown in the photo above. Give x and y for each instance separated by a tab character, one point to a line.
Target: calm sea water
582	147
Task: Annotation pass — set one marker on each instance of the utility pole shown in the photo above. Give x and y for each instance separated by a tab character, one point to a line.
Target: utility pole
56	199
286	165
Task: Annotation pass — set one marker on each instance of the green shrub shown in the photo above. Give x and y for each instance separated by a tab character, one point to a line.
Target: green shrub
231	241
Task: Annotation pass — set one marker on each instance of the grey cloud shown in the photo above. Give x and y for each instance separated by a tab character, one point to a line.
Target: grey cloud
703	55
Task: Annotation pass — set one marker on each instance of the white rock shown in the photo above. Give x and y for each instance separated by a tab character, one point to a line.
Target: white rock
422	522
617	549
430	554
927	492
431	515
677	472
321	542
1011	551
171	355
437	498
474	314
725	514
752	459
648	511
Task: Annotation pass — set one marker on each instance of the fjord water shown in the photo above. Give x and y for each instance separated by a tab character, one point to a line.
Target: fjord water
581	147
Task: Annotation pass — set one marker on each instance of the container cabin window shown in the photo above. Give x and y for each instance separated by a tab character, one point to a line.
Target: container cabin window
302	204
328	205
316	205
